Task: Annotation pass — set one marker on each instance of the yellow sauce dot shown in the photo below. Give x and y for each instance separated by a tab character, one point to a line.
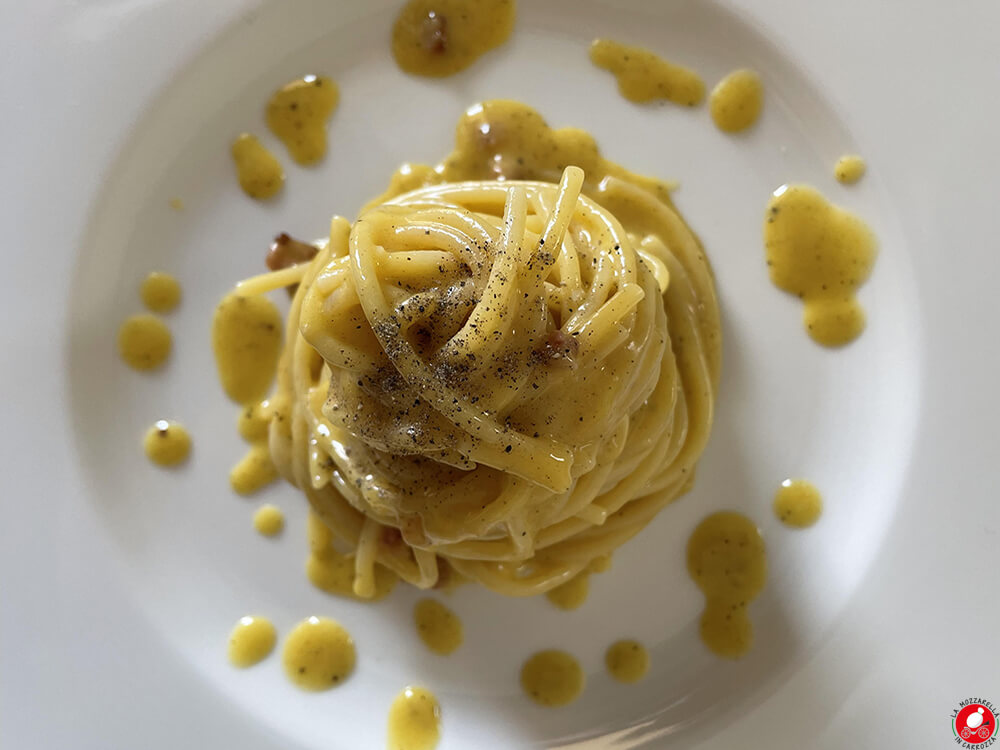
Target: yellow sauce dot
269	520
552	678
644	77
254	471
297	114
254	421
167	443
627	661
251	641
822	254
726	559
849	169
414	720
318	654
160	292
440	37
258	171
571	594
176	203
797	503
438	627
736	101
246	339
144	342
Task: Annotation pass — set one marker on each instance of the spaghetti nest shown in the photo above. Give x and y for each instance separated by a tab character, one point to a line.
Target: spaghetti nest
496	379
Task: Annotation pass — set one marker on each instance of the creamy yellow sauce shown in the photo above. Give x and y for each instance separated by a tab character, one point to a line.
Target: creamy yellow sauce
333	572
246	339
160	292
726	559
167	443
797	503
627	660
251	641
144	342
822	254
736	101
849	169
254	471
571	594
258	170
574	592
269	520
552	678
644	77
440	37
438	627
253	421
505	139
297	114
318	654
414	720
176	203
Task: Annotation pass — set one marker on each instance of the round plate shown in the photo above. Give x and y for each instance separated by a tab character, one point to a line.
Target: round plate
137	574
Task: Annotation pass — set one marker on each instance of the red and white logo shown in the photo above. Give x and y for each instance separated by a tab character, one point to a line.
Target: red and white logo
974	723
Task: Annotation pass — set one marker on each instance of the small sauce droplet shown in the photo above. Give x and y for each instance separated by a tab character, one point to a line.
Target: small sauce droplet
849	169
176	203
627	660
552	678
251	641
144	342
571	594
438	627
297	114
726	559
797	503
822	254
736	101
258	170
253	422
167	443
318	654
269	520
160	292
438	38
254	471
644	77
246	339
414	720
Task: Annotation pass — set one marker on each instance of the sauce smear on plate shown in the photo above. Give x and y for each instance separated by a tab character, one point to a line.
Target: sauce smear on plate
644	77
736	101
437	38
552	678
797	503
726	559
414	720
297	114
822	254
258	170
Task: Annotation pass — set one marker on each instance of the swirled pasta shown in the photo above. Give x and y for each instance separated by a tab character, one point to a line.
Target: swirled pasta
501	378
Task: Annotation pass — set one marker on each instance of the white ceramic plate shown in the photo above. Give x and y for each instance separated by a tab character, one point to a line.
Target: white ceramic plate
121	582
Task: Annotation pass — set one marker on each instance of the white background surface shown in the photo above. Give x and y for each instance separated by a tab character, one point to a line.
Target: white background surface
109	633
